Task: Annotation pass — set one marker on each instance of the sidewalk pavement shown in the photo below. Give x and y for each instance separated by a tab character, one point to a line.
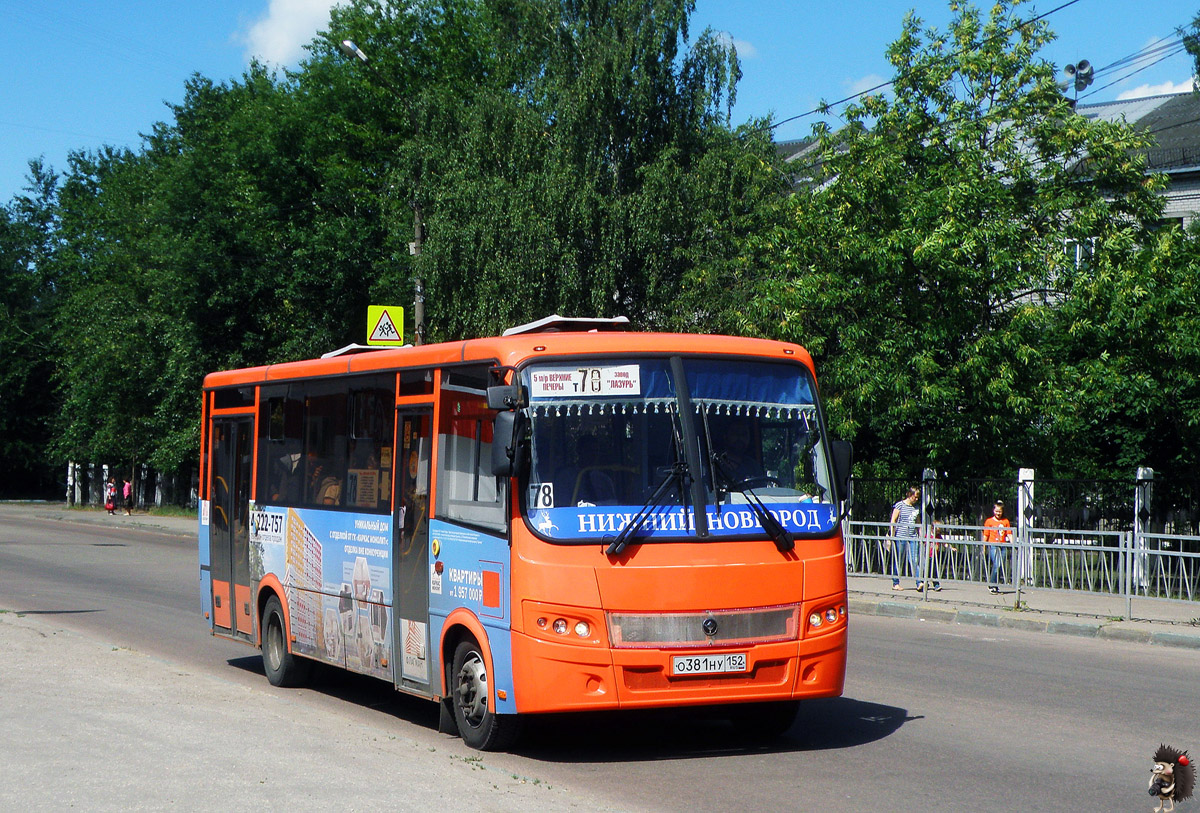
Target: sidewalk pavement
141	519
1066	612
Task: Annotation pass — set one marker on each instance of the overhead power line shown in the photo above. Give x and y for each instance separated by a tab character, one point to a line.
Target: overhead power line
954	55
1160	55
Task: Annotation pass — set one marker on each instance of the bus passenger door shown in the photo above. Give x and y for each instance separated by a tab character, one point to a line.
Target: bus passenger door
229	528
411	571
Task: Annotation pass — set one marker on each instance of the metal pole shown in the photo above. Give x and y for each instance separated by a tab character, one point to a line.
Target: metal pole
1023	545
414	248
928	486
1137	558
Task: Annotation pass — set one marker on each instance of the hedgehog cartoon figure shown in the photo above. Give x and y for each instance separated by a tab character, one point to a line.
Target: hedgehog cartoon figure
1173	778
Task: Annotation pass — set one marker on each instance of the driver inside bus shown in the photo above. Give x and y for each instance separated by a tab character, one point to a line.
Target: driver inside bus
589	482
735	454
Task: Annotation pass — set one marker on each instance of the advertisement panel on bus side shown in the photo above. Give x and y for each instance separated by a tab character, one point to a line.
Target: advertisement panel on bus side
336	568
469	569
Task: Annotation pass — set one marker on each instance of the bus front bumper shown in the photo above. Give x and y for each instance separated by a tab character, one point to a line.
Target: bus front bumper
554	677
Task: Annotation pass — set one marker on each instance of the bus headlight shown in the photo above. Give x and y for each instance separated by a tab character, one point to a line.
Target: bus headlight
562	624
826	619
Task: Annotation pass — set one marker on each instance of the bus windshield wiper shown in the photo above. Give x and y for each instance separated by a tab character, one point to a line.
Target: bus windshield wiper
678	473
722	482
779	535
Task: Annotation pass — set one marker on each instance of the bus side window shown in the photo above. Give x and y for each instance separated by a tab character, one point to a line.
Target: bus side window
281	449
324	448
467	491
368	475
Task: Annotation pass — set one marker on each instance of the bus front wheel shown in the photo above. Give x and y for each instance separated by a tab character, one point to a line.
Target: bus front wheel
480	728
282	668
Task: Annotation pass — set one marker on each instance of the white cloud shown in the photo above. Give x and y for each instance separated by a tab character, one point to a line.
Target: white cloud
1155	90
856	86
745	50
279	37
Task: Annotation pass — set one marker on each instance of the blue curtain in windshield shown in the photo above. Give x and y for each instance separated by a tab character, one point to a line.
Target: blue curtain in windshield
751	382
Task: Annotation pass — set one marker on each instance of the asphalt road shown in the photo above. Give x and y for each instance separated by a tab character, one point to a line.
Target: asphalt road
110	666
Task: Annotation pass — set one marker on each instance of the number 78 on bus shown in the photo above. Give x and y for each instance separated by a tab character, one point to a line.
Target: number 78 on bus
569	517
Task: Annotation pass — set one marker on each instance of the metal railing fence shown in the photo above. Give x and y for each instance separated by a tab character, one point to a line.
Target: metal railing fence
1164	567
1117	563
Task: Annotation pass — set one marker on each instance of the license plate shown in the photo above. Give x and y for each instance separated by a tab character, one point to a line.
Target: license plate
708	664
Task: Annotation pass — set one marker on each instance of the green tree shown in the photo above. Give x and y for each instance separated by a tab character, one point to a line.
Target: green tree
109	369
924	263
1127	393
553	156
28	296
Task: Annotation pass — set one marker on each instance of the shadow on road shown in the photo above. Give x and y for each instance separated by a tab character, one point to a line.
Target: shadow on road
688	733
624	736
360	689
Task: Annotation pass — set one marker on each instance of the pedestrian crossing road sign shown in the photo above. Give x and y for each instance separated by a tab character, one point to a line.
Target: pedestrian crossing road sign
385	325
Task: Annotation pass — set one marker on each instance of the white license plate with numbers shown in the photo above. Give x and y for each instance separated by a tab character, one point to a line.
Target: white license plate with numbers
708	664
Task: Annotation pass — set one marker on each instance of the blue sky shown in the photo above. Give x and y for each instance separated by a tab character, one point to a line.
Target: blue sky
77	74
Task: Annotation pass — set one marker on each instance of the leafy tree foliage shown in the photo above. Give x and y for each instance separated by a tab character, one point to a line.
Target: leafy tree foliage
924	265
1127	393
28	295
550	156
577	156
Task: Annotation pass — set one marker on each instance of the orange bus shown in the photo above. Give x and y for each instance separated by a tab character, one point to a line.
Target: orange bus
568	517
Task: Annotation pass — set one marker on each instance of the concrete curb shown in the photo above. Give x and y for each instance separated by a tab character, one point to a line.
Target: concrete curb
1035	621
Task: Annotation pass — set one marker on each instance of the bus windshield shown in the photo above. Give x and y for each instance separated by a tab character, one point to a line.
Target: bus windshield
614	439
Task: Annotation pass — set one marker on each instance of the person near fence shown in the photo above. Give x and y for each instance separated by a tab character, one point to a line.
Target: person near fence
997	535
127	493
903	538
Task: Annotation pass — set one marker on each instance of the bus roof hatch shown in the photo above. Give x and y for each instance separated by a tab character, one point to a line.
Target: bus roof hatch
355	348
568	324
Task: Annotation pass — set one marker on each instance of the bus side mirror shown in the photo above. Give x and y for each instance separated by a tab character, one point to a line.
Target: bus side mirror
843	457
504	396
506	434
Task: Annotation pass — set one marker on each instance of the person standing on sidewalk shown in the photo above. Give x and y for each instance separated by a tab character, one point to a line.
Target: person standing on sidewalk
128	494
903	532
996	535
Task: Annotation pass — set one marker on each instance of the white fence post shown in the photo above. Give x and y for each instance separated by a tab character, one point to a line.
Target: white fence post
928	489
1142	495
1023	549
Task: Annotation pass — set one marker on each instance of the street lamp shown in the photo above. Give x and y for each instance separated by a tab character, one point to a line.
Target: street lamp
414	248
353	51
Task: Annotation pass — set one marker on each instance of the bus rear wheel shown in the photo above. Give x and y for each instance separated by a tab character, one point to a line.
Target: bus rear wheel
480	728
282	668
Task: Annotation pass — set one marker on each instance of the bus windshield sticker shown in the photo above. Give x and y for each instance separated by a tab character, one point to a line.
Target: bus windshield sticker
603	523
541	495
581	382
